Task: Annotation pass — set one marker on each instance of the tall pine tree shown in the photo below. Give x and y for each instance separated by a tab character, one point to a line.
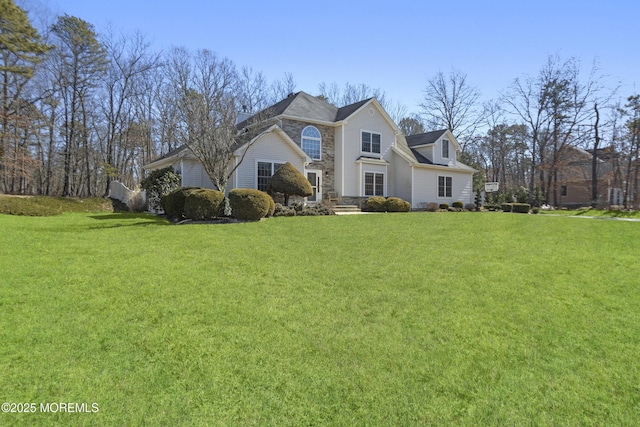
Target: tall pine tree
21	49
80	61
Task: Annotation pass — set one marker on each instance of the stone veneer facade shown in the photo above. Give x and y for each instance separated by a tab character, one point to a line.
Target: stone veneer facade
327	164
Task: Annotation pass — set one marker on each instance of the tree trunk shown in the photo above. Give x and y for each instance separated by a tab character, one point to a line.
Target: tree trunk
594	160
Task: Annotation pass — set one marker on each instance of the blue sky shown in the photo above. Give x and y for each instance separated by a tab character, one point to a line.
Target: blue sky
392	45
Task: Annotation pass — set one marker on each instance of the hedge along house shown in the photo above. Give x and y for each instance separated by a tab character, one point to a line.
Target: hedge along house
349	153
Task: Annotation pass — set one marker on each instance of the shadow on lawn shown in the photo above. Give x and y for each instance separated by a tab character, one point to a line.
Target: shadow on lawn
610	213
622	214
141	219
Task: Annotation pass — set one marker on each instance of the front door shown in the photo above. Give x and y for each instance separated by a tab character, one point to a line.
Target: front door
315	178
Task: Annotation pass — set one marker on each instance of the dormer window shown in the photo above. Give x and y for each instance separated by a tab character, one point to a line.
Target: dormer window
370	142
445	148
312	142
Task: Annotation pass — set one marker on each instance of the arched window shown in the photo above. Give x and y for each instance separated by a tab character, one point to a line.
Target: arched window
312	142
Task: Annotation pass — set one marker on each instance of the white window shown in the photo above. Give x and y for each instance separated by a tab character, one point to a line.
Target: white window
265	172
445	148
312	142
373	184
370	142
444	186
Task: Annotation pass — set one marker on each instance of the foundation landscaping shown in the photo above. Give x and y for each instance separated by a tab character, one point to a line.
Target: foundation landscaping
421	318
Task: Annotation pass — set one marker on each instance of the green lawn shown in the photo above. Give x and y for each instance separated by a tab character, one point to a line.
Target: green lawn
390	319
588	212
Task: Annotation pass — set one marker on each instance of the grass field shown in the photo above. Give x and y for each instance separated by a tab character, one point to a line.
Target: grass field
391	319
588	212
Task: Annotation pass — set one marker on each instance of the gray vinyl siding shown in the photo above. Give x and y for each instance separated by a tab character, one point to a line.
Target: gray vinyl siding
269	147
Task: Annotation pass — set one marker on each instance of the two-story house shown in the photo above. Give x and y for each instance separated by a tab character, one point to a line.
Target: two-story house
353	152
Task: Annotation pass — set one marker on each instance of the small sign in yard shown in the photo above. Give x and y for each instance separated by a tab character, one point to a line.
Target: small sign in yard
491	187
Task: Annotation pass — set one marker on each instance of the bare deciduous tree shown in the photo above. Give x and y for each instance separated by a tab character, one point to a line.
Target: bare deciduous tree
208	100
352	93
129	59
411	125
282	87
553	105
451	102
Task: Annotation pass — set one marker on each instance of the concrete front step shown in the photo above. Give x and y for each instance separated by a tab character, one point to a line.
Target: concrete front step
346	209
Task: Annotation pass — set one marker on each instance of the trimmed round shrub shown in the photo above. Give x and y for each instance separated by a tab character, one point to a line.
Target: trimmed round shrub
202	204
395	204
374	204
289	181
173	203
249	204
272	207
444	206
457	204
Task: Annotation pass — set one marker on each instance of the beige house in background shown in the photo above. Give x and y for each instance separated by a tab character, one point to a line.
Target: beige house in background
349	153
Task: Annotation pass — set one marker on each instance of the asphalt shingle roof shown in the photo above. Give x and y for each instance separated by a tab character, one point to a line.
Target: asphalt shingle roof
424	138
348	110
303	105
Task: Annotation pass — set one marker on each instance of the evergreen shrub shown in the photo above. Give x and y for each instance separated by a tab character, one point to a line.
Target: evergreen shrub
520	207
395	204
272	207
374	204
316	210
249	204
173	203
289	181
158	184
203	204
444	206
281	210
458	204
